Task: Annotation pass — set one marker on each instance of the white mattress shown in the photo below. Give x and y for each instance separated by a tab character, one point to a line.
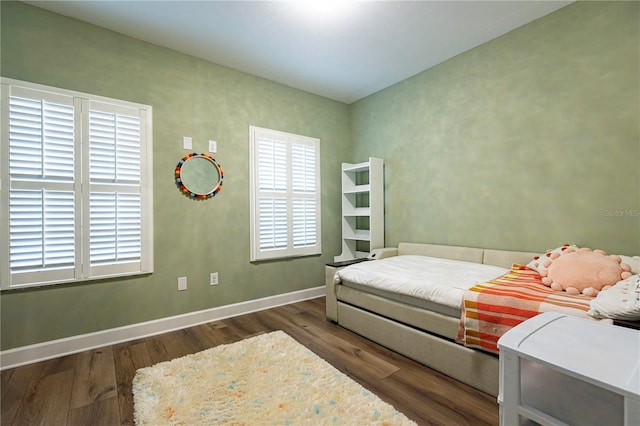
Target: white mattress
441	281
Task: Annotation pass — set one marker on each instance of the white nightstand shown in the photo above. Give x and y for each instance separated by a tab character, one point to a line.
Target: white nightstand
557	369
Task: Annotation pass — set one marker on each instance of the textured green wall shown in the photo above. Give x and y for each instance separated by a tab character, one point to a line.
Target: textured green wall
190	97
526	142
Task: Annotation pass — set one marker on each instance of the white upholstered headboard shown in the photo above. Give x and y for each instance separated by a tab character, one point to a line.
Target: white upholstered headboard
502	258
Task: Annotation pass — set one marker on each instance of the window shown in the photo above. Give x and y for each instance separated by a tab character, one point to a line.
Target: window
76	186
285	194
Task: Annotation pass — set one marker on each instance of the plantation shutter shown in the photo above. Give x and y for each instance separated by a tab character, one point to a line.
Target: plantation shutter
76	191
42	203
115	205
303	171
272	186
285	195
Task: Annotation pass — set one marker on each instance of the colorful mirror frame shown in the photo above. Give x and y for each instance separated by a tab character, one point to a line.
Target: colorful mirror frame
199	177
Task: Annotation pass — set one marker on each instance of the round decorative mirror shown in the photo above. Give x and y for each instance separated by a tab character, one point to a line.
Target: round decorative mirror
199	176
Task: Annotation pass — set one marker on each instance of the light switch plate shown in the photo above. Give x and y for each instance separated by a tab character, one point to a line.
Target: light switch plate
213	146
182	283
187	143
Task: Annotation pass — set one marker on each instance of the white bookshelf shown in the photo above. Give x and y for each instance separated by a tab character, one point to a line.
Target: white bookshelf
362	208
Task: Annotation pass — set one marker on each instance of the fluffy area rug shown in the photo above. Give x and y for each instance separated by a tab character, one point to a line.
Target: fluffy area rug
269	379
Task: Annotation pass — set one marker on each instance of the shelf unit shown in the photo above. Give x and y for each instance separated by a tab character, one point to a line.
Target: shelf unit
362	208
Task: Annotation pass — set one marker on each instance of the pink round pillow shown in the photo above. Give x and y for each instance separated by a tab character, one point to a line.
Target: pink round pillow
585	272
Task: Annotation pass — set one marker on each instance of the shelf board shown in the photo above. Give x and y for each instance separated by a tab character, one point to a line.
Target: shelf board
359	189
359	211
359	235
359	167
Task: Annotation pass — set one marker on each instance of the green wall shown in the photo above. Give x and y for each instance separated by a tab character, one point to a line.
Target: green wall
525	142
190	97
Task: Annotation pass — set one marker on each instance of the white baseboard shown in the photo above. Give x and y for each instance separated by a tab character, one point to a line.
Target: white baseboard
83	342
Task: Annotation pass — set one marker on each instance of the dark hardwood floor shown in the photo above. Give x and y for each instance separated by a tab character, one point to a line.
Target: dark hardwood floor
94	387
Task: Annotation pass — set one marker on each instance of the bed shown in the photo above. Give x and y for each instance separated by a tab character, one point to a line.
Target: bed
385	301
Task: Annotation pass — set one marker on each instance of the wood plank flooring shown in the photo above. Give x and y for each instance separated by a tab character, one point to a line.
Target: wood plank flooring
94	387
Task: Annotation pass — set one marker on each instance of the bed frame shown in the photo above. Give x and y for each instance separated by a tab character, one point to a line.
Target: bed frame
418	333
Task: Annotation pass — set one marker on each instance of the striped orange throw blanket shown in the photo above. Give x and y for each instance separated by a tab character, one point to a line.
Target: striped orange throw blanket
490	309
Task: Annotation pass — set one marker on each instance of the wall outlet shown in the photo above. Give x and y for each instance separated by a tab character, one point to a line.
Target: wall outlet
213	146
182	283
213	278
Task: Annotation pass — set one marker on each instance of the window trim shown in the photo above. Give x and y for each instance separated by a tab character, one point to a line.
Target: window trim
82	271
256	254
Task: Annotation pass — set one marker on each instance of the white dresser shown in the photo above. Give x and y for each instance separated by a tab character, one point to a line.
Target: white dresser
557	369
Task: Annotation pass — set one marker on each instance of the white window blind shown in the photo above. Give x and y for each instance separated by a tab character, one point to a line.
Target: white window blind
41	230
76	186
115	204
285	194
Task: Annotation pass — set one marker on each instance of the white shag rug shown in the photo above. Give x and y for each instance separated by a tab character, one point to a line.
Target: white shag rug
269	379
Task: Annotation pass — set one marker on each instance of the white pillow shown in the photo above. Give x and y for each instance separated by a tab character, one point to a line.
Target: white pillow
622	301
634	262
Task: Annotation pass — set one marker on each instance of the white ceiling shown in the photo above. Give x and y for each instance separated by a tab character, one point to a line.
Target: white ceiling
369	46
